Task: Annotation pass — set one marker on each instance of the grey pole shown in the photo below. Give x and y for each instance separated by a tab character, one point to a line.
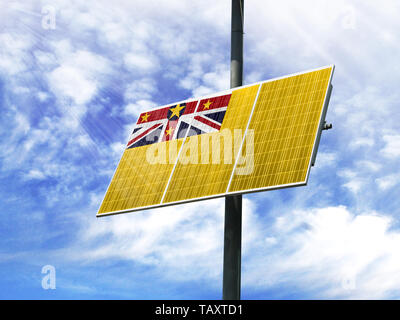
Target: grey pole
237	43
233	204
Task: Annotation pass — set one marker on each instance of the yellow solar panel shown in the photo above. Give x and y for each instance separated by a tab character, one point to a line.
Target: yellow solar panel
285	124
246	139
141	177
195	174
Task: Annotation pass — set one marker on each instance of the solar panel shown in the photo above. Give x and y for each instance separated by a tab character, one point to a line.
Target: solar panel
285	122
247	139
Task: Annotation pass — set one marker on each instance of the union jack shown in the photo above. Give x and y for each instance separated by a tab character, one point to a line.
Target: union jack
179	120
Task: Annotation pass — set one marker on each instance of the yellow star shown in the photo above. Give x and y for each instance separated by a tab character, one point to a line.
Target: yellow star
176	111
168	132
145	117
207	105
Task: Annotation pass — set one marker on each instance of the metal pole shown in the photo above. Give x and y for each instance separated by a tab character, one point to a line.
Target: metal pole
237	43
233	204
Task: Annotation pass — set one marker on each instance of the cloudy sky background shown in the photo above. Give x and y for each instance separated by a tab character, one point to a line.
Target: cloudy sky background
70	95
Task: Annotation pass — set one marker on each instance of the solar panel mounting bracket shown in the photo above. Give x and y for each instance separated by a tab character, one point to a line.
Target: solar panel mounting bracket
327	126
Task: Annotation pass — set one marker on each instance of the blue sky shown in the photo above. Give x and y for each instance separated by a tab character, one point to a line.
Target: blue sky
70	95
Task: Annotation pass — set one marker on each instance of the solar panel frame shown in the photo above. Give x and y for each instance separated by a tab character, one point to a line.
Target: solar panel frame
253	190
322	123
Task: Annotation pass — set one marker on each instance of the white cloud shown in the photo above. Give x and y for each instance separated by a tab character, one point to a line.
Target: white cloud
83	140
360	142
115	33
135	109
354	185
151	237
347	173
369	165
201	79
392	147
19	127
35	174
141	63
79	75
71	82
43	96
331	250
218	80
141	89
387	182
326	159
117	149
46	60
14	53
